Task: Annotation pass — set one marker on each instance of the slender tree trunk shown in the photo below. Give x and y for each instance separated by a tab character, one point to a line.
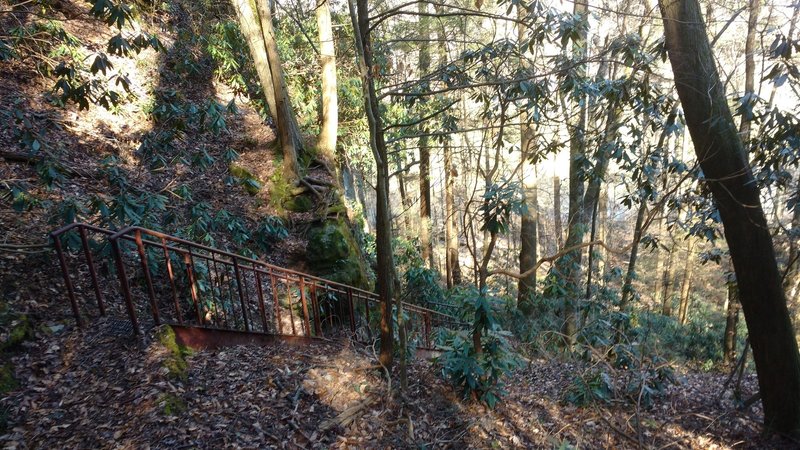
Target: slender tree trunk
724	163
602	224
750	64
731	320
424	151
528	254
659	264
686	284
250	25
666	283
558	228
288	132
386	277
630	274
326	144
452	264
568	267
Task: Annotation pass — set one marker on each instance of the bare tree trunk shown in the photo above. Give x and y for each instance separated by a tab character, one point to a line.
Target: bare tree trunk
452	264
288	132
731	320
558	228
659	263
602	224
630	274
424	152
326	144
750	64
666	282
568	267
530	217
686	284
724	163
386	277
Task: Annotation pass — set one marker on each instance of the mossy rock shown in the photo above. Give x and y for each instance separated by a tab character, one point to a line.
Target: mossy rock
333	253
172	404
247	180
175	362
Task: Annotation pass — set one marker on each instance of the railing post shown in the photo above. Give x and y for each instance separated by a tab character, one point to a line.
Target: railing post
262	308
92	271
171	275
316	308
126	290
305	305
145	267
352	312
67	281
274	286
241	295
188	260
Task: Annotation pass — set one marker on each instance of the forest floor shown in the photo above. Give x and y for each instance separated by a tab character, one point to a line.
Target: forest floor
98	388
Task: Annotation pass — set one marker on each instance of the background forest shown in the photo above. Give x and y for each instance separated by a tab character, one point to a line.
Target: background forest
528	167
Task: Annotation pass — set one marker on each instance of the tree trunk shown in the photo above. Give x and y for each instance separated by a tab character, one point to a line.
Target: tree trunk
630	274
452	262
686	284
558	228
666	283
731	320
602	224
326	144
288	132
724	163
386	277
528	254
424	152
750	65
568	267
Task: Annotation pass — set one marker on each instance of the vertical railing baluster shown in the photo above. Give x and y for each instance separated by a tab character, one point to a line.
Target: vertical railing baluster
291	306
352	312
68	281
241	295
92	271
171	275
148	280
306	323
261	306
188	259
126	290
274	285
220	280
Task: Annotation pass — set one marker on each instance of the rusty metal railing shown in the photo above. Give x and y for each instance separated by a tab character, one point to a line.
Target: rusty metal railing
191	284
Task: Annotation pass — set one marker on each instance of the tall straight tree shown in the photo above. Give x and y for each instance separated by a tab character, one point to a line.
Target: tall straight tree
256	24
530	216
386	276
424	150
726	169
326	143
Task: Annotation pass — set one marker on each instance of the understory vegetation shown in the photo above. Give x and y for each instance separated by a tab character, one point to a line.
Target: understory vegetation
514	185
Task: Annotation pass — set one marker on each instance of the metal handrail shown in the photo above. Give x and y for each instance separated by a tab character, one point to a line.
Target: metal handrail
248	275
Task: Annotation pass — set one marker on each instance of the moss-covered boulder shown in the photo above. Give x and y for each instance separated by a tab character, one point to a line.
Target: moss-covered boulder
246	179
333	253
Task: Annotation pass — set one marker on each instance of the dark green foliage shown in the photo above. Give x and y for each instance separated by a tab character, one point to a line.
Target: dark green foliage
478	375
590	387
